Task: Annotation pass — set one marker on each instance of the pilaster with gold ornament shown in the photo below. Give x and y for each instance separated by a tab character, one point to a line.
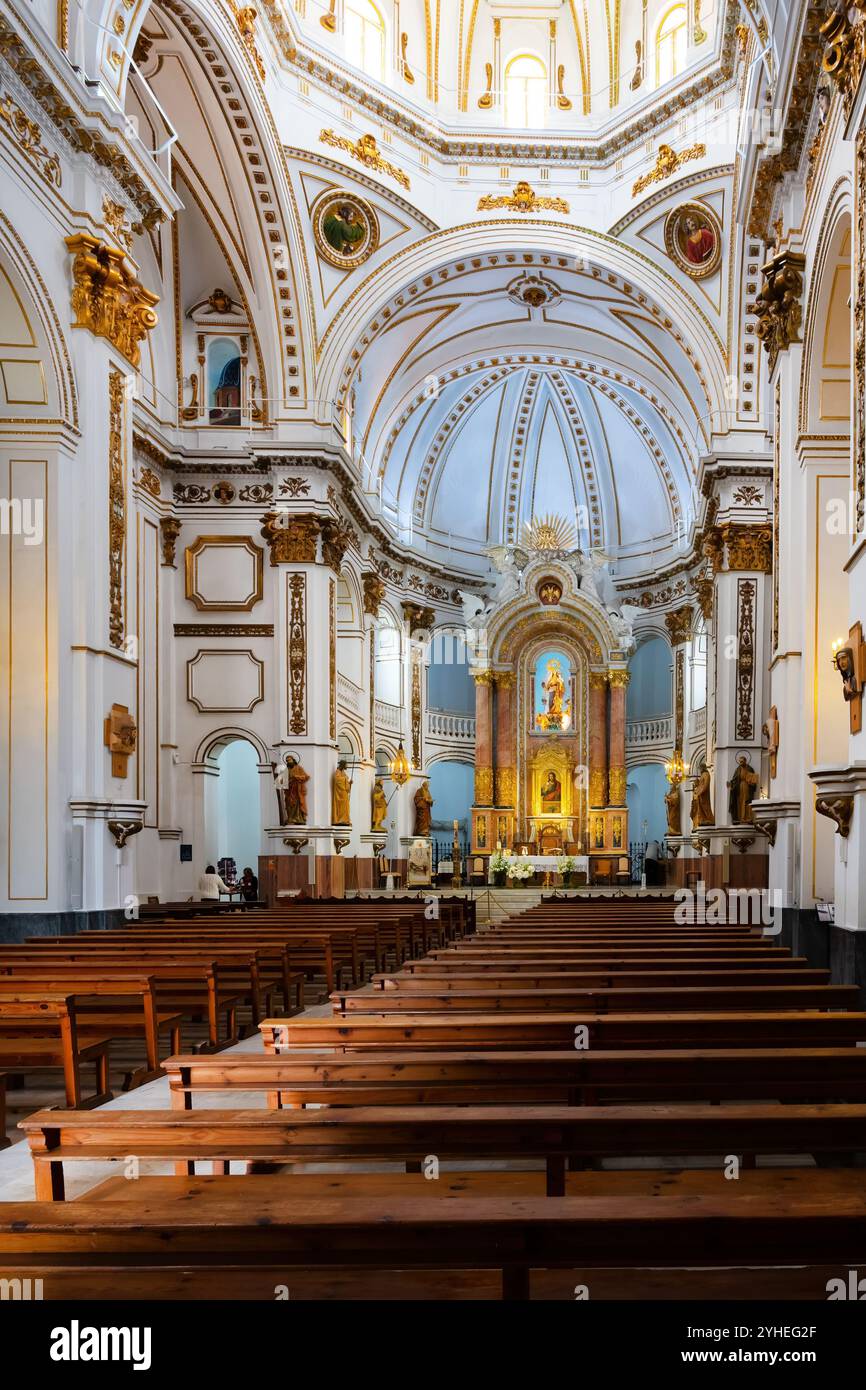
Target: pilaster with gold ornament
483	738
618	679
597	739
505	772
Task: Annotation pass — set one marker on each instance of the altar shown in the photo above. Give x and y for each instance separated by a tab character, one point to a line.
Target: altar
547	864
551	670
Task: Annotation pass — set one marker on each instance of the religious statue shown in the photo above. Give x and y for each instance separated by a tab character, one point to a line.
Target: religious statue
702	808
770	730
340	792
673	804
419	864
423	803
742	787
380	806
556	714
551	795
291	787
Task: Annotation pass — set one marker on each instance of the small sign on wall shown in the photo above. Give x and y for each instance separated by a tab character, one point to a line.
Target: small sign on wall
186	854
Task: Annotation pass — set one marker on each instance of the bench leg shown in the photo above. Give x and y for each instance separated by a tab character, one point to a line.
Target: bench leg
515	1283
48	1180
556	1176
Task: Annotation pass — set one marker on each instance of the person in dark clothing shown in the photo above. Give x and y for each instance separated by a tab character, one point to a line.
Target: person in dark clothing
249	886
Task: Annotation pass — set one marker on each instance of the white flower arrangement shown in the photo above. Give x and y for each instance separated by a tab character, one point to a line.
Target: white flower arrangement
500	860
520	869
566	865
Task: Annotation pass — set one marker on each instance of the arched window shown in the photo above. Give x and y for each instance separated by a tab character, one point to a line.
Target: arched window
671	44
364	28
525	91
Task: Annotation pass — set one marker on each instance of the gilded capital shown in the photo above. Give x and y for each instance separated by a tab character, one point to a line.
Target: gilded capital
679	624
598	680
618	679
107	297
778	303
483	677
419	619
292	539
505	679
374	592
749	547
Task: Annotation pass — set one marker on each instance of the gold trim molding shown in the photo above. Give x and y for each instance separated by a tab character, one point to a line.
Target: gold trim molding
367	152
523	199
203	604
668	161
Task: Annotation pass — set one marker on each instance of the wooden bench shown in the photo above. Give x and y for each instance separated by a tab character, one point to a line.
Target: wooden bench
39	1031
102	1004
130	1249
629	977
408	1134
486	1032
498	1078
707	998
186	981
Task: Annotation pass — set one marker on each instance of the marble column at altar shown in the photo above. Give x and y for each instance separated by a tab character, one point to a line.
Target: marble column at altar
597	739
482	812
618	681
505	773
483	738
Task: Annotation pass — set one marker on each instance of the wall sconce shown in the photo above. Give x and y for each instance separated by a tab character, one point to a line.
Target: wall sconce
400	770
675	770
849	659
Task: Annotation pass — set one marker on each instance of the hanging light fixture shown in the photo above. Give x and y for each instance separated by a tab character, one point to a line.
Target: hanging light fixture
400	770
675	770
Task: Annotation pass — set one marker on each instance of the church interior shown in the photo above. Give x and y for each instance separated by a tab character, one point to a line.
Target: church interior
433	568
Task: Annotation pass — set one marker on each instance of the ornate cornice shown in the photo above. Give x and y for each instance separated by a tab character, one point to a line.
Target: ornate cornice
327	72
679	624
88	132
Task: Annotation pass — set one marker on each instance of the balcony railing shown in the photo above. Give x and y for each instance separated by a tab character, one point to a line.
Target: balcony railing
450	727
349	694
387	717
698	722
647	733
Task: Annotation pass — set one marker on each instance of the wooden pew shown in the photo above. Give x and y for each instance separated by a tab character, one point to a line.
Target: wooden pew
567	977
39	1031
707	998
486	1032
505	1078
4	1141
184	980
102	1003
407	1134
132	1249
503	966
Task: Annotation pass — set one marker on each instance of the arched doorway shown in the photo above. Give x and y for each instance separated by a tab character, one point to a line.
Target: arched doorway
238	829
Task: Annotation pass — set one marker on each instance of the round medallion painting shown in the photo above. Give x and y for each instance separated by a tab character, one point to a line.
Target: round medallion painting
345	227
693	237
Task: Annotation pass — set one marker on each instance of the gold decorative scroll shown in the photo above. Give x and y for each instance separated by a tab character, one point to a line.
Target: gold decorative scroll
483	786
597	786
367	152
668	161
169	530
749	547
28	136
374	592
420	619
416	709
245	19
297	653
107	298
844	36
505	782
746	594
116	508
292	543
523	199
616	783
332	655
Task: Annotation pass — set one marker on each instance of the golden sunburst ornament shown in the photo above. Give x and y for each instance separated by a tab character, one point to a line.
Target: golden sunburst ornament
551	532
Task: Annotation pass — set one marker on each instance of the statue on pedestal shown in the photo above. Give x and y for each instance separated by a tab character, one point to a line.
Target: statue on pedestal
290	783
673	805
702	808
742	788
379	811
423	804
340	793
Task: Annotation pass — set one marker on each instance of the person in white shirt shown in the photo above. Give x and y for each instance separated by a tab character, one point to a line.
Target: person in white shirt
210	885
